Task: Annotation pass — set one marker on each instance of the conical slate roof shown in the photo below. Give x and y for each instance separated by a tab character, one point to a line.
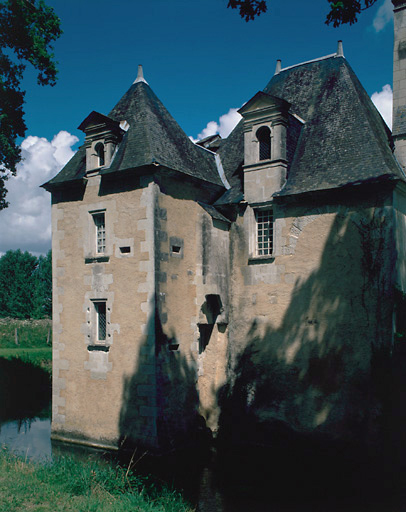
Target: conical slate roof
153	137
343	140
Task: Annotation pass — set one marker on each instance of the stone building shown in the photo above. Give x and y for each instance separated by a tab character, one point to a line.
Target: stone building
239	284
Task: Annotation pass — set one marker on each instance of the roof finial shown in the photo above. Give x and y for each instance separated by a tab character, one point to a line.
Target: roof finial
340	52
278	66
140	76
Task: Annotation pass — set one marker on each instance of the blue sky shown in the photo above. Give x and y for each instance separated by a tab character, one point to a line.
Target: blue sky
200	58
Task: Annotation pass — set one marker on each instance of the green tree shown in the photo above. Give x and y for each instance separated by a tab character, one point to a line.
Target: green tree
28	29
42	305
341	11
17	284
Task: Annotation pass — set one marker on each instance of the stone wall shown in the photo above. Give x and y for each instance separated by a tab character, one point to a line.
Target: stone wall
307	327
93	390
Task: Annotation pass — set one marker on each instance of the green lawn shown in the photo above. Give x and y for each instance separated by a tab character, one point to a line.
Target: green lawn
75	486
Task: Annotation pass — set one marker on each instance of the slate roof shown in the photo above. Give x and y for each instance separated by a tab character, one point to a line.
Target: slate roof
344	139
153	137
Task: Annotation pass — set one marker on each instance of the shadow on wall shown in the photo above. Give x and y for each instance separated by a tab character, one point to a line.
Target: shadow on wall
314	389
323	372
160	403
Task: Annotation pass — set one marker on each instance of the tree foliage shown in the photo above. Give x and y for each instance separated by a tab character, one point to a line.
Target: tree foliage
25	285
341	11
27	31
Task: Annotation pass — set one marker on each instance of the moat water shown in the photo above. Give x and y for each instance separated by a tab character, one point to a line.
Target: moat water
291	477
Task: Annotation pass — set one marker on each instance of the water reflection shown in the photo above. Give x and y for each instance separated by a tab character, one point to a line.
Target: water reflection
25	398
30	439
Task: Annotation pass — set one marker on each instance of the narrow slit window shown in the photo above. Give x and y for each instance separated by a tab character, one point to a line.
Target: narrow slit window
264	139
264	242
100	153
100	224
101	320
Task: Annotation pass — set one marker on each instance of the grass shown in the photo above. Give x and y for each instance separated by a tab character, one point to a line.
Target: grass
71	485
30	333
33	337
37	356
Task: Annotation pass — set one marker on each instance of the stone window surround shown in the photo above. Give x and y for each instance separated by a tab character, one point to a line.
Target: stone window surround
100	320
264	228
92	338
91	254
99	219
263	136
251	226
254	130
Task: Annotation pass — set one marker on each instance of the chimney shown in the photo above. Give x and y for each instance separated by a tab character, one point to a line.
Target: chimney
399	81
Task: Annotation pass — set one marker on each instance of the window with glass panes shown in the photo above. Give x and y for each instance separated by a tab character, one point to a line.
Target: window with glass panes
264	241
99	222
101	320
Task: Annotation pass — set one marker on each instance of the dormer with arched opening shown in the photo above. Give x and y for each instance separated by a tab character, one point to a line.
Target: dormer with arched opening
103	135
265	133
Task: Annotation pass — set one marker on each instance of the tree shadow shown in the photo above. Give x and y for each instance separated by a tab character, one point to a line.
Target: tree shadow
314	392
306	412
160	402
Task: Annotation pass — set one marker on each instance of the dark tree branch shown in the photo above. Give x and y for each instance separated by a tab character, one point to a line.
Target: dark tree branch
27	31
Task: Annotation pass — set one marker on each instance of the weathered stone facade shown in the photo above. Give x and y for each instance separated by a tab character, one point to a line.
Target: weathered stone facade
235	286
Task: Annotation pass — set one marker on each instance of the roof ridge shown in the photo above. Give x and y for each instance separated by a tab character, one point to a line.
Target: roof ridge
335	55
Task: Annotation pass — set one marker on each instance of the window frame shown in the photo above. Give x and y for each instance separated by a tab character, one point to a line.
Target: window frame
254	255
99	316
264	137
264	232
101	154
99	232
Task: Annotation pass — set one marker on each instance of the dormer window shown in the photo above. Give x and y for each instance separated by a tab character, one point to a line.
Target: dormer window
100	153
103	135
264	139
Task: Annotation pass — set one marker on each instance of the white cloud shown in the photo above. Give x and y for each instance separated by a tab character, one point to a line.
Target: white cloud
224	126
383	16
26	223
383	102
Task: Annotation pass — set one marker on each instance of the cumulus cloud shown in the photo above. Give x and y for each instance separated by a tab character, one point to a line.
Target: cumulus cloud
383	102
383	16
224	126
26	223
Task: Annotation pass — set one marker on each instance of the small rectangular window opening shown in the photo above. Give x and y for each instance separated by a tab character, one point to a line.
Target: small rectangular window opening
99	222
101	320
176	249
264	242
125	250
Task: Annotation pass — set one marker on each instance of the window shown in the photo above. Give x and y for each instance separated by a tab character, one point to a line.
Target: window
101	320
264	139
100	153
100	225
264	232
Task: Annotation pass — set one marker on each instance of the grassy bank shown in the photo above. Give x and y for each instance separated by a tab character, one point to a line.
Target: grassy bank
37	356
72	485
34	338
